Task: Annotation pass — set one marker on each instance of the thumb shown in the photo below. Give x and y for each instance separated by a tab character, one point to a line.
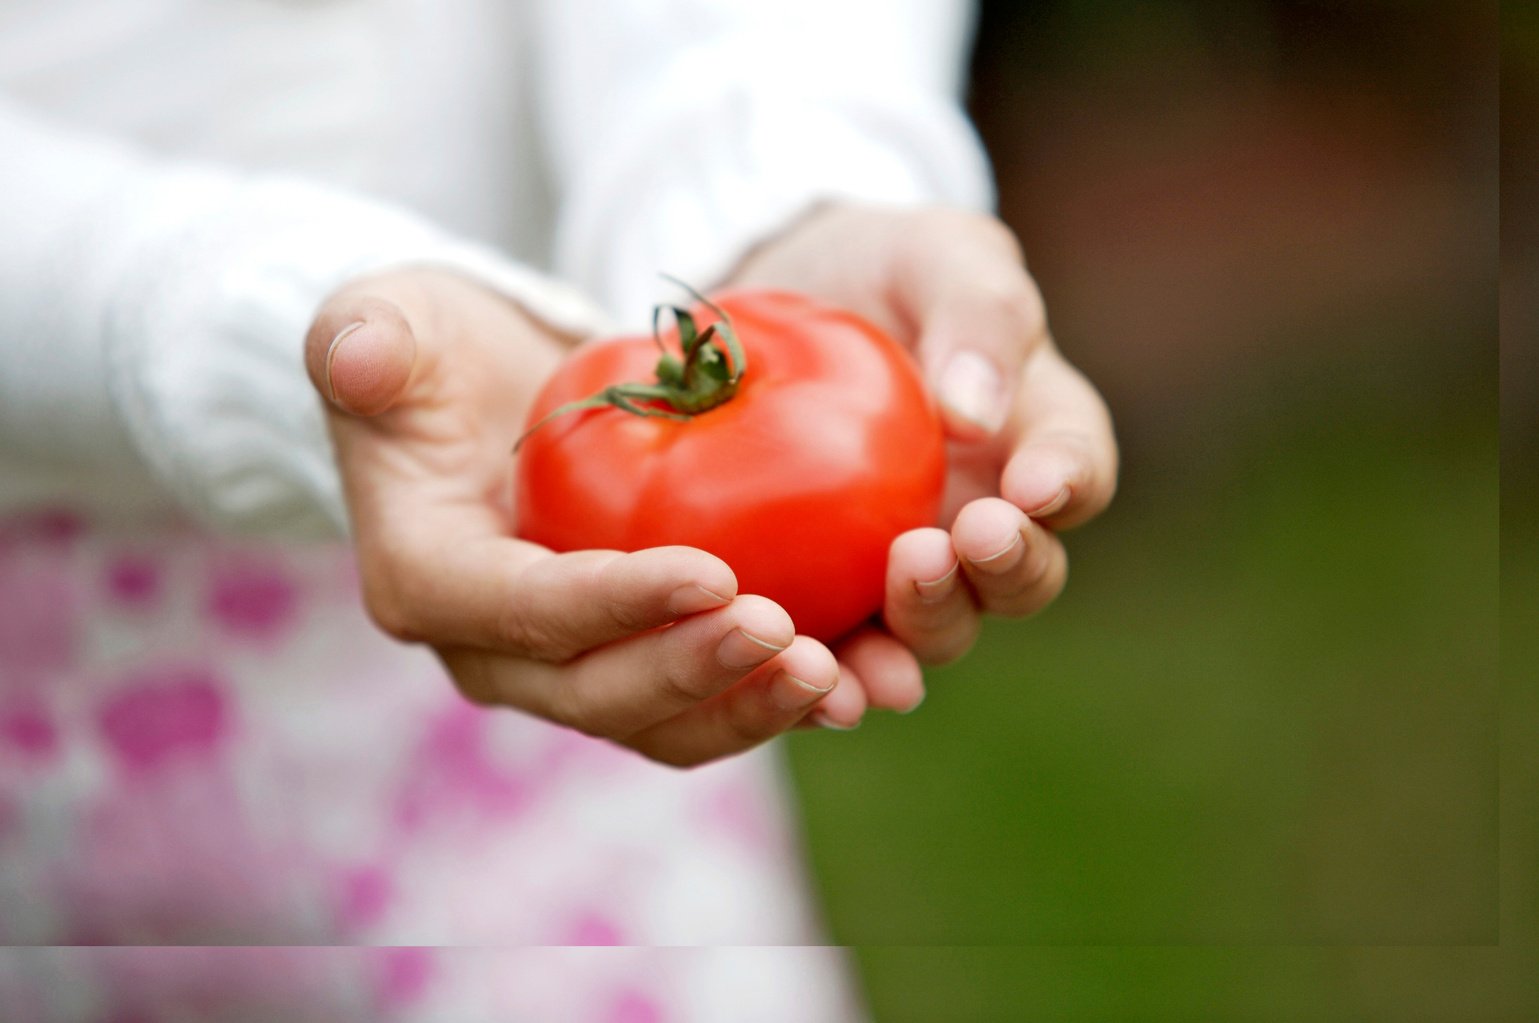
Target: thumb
360	353
979	317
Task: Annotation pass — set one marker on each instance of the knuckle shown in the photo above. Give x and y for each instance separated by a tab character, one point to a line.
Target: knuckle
625	614
1103	487
950	614
1037	592
998	233
747	728
572	707
1037	565
679	687
520	629
386	608
747	723
1015	302
516	630
1056	578
948	646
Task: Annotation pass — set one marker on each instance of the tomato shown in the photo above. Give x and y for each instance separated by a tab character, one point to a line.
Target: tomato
828	448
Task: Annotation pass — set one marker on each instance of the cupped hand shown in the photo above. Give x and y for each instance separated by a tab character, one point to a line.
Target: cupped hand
1032	449
427	378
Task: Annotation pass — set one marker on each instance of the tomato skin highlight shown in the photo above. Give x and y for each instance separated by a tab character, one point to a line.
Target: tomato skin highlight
830	449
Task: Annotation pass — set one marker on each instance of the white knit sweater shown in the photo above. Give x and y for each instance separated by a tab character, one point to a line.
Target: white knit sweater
181	183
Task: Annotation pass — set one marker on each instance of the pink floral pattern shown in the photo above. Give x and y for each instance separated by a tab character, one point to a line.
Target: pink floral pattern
205	742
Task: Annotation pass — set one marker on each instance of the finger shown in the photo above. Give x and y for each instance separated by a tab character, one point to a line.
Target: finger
629	686
762	706
842	709
518	598
1014	566
928	607
626	687
886	669
979	314
360	353
1064	468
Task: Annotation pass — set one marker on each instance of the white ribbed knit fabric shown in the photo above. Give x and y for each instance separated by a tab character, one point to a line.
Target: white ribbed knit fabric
203	739
181	183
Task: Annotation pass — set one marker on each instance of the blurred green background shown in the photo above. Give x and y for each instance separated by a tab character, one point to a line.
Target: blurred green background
1247	767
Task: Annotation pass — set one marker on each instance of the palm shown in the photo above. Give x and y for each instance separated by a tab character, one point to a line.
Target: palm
441	453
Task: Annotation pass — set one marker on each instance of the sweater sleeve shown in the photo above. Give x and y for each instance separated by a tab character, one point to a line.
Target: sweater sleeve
683	132
152	319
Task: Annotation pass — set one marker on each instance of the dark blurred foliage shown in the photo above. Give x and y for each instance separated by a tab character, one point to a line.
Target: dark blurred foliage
1520	241
1218	190
1253	752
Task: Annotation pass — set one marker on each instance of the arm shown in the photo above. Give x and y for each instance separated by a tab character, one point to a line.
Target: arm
682	134
168	322
151	313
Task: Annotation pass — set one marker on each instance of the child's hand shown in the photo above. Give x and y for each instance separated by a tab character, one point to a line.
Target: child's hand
428	378
1034	449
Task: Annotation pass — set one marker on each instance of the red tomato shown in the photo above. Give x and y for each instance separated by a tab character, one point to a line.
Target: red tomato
830	447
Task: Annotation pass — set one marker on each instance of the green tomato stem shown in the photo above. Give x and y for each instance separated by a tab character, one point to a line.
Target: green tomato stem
708	376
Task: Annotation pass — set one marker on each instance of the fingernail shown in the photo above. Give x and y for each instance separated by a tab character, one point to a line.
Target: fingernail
934	591
913	706
971	387
740	650
694	598
824	721
1000	560
331	355
791	693
1053	506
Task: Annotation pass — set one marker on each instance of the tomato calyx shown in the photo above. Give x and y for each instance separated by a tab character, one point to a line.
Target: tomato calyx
708	375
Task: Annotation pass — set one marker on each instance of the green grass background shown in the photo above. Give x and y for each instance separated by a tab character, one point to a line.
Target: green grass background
1273	754
1265	708
1261	723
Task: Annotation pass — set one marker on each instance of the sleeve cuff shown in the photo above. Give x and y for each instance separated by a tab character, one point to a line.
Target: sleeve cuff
709	198
205	343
